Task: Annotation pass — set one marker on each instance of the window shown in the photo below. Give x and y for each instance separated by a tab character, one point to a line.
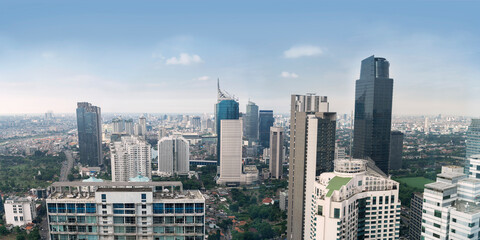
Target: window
144	197
471	224
15	218
168	207
336	213
61	208
157	220
320	210
437	214
91	208
71	207
80	207
199	207
104	197
454	220
178	207
157	208
188	207
52	208
436	225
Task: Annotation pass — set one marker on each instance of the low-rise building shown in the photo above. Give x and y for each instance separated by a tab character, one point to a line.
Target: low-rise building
20	211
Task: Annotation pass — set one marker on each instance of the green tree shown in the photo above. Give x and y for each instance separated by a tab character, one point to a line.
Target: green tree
3	231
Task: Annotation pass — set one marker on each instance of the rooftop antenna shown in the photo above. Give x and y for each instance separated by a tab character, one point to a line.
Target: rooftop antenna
351	135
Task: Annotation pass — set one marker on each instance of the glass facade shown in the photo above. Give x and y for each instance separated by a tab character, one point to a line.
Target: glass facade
89	134
473	138
373	112
251	122
266	121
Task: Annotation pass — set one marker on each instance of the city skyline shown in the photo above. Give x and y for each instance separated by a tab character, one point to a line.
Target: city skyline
129	57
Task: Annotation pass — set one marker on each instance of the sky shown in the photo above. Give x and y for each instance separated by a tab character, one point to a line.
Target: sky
166	56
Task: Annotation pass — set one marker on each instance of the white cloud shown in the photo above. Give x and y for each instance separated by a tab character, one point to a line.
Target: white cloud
289	75
184	59
203	78
302	51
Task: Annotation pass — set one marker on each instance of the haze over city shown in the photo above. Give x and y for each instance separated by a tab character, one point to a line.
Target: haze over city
165	57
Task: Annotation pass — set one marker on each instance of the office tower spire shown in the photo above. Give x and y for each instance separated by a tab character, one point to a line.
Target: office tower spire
227	107
89	125
373	112
312	151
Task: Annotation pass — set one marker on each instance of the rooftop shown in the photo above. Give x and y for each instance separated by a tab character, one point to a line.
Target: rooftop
466	207
336	183
439	186
450	175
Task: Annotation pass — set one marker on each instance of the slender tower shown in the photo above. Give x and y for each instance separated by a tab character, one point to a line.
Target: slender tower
312	151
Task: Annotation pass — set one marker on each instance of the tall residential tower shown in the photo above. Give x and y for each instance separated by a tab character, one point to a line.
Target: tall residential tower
312	151
173	155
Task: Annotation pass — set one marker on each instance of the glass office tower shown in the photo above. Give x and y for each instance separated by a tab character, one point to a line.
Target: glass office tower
265	122
89	134
373	112
251	122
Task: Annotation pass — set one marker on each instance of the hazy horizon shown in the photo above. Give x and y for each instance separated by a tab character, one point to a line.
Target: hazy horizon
165	56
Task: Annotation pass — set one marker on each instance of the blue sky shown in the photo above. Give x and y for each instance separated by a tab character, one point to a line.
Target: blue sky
165	56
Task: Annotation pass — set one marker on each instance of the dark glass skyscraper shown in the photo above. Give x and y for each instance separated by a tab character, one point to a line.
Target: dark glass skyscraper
226	108
373	112
251	122
396	150
265	121
89	125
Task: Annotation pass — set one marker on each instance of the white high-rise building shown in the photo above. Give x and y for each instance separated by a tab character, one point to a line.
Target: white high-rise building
173	155
276	152
125	211
230	152
20	211
356	201
451	207
130	157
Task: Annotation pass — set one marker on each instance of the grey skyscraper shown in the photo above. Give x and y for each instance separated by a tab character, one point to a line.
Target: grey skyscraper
472	143
89	134
415	224
312	151
251	122
373	112
276	152
396	150
266	121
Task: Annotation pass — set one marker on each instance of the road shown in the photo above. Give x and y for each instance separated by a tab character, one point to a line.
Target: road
66	166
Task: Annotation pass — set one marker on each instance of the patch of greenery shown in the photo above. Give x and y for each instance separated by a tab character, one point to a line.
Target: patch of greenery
20	174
